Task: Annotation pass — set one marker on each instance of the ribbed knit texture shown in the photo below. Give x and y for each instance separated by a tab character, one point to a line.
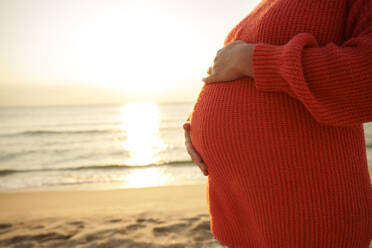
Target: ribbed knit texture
285	151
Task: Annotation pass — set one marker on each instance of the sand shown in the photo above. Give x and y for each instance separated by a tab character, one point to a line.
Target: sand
173	217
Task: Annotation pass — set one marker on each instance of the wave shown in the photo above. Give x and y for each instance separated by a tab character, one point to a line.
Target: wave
93	131
7	172
51	132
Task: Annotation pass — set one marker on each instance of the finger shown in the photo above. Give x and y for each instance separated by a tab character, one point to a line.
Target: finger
209	71
196	158
212	79
203	168
186	126
206	80
193	153
187	133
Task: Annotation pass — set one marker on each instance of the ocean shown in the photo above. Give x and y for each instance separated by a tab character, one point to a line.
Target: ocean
140	144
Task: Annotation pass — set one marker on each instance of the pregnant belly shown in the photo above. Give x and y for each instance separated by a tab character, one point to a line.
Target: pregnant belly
233	123
264	151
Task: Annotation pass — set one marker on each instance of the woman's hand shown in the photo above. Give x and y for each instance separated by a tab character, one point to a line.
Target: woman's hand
196	158
232	62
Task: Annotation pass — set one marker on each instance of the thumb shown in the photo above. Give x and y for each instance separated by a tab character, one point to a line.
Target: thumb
211	79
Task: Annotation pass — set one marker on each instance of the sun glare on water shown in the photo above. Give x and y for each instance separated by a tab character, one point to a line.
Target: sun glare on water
140	127
146	177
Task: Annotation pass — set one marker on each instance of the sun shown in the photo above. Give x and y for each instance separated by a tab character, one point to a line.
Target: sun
133	53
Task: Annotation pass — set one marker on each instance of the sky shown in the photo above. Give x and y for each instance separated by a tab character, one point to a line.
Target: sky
56	52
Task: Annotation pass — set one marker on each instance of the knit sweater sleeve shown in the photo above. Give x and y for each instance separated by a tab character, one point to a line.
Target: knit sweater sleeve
334	82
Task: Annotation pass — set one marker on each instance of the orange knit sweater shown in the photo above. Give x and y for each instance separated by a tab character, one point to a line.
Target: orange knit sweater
285	151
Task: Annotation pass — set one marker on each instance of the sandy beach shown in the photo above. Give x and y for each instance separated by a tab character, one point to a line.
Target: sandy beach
172	216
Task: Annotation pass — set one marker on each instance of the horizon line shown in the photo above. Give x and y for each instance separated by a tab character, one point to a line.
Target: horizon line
91	104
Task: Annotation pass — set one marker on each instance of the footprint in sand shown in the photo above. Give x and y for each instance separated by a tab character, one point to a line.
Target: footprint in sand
191	219
41	238
36	227
165	230
5	225
113	243
150	220
114	220
135	227
130	228
201	231
202	226
76	223
202	236
100	235
4	228
174	246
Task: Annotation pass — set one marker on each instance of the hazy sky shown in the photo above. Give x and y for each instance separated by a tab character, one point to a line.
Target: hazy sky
110	51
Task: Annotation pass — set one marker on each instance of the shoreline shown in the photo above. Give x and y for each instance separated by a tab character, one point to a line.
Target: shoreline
174	198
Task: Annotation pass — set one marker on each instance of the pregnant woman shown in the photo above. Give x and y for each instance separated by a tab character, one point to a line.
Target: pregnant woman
278	127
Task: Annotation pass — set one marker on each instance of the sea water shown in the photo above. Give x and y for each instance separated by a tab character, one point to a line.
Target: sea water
139	144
